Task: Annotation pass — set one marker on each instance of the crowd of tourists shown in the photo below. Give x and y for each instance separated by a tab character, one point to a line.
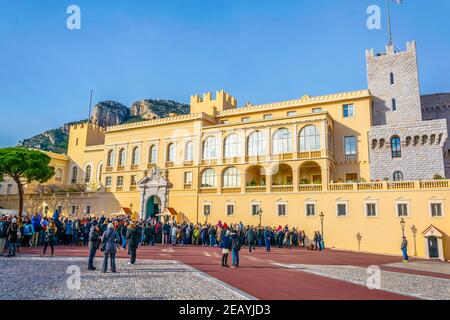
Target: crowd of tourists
122	233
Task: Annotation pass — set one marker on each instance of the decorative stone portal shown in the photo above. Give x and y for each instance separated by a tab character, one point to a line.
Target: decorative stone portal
433	243
154	188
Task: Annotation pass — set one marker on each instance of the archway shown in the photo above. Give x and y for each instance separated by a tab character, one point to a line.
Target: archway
153	207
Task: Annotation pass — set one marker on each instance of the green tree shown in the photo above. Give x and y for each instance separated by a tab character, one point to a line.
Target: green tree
24	166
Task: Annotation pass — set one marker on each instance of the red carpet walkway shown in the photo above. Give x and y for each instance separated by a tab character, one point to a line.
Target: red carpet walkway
258	276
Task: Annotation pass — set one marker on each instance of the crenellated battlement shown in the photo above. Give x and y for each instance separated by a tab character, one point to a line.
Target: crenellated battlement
86	125
209	105
390	51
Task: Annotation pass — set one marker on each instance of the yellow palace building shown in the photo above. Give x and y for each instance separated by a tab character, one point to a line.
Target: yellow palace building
365	166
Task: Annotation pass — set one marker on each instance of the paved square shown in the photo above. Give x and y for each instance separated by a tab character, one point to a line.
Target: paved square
34	278
423	287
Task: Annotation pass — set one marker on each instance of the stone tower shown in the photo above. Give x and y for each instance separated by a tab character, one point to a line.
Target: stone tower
393	80
402	145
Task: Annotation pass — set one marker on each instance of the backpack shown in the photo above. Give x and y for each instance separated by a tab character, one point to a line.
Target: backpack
235	244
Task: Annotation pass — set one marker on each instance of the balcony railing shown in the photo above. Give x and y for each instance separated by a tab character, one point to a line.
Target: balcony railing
208	190
135	167
256	189
133	188
282	188
231	190
120	168
310	188
109	169
435	184
400	185
234	160
187	186
351	158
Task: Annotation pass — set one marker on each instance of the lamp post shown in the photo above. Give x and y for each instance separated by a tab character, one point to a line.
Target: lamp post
403	223
322	217
260	213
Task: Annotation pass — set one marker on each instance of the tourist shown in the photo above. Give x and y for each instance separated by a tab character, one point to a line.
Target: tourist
133	242
225	244
404	248
76	231
94	240
3	233
267	238
196	235
28	232
235	248
68	232
321	243
251	236
36	221
173	234
50	238
212	236
12	234
109	248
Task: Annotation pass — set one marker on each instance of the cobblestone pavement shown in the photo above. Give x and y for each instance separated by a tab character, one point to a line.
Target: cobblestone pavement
30	278
422	287
427	266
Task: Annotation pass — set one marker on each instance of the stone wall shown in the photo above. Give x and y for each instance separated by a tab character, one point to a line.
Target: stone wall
422	150
437	106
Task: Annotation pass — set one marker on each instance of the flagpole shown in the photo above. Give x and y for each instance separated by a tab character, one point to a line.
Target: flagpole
389	22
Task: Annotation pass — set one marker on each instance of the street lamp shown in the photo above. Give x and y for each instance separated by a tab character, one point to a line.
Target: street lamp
260	213
403	223
322	217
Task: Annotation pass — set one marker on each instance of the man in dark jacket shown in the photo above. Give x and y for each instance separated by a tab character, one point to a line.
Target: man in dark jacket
94	239
133	242
251	237
11	236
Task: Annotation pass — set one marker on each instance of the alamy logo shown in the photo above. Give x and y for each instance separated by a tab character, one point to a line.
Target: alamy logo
74	281
374	279
74	20
374	19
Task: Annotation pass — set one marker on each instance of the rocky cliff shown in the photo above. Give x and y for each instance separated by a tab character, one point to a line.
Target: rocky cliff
106	113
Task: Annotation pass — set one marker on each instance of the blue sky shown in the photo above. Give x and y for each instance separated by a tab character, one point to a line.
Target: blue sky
258	50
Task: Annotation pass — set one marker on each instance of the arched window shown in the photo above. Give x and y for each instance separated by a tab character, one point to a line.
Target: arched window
396	147
152	155
282	141
231	146
208	178
122	157
74	175
392	78
189	151
110	160
256	144
309	139
171	153
87	174
231	178
398	176
135	156
209	148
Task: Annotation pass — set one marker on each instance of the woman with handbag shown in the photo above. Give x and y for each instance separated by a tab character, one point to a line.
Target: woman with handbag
109	249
